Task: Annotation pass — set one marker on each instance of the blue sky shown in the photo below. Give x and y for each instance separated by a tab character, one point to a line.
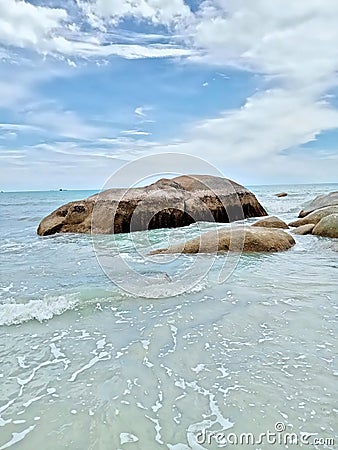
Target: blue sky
88	85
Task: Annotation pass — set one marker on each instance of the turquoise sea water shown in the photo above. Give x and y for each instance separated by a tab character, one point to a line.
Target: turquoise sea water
85	365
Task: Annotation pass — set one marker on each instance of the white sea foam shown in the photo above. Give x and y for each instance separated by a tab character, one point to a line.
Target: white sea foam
45	309
6	288
17	437
127	437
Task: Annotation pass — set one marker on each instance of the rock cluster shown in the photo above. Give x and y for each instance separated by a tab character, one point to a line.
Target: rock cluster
320	217
191	198
265	235
319	202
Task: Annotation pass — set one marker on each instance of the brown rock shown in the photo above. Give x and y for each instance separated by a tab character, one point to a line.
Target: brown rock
281	194
270	222
319	202
165	204
304	229
315	216
327	227
246	239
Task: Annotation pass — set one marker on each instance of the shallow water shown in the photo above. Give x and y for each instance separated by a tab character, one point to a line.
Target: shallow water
85	365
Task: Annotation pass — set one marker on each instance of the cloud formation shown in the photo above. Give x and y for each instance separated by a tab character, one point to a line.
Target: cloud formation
291	47
54	31
294	46
101	12
27	26
283	38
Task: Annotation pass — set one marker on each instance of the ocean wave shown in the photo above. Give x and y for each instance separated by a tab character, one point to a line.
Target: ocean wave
45	309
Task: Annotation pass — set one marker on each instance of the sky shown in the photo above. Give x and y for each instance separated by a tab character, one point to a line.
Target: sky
87	86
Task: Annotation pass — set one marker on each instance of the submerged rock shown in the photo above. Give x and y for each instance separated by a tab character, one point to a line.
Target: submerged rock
319	202
168	203
315	216
327	226
270	222
304	229
246	239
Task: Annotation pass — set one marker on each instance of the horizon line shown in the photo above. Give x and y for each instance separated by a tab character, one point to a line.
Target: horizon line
4	191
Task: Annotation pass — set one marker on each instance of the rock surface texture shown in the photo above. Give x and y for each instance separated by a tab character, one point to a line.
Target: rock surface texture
168	203
270	222
246	239
327	227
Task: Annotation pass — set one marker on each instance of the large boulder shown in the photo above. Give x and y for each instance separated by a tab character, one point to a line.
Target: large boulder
320	202
167	203
270	222
246	239
315	216
327	227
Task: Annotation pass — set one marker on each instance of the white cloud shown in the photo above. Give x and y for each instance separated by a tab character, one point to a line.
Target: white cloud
94	48
49	30
267	124
297	40
63	123
141	111
25	25
164	12
20	80
136	133
17	127
56	165
292	44
251	141
223	75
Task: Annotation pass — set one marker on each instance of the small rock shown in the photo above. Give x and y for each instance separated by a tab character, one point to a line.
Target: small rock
281	194
270	222
327	227
304	229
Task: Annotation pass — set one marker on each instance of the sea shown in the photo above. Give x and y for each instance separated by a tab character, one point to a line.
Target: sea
246	360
